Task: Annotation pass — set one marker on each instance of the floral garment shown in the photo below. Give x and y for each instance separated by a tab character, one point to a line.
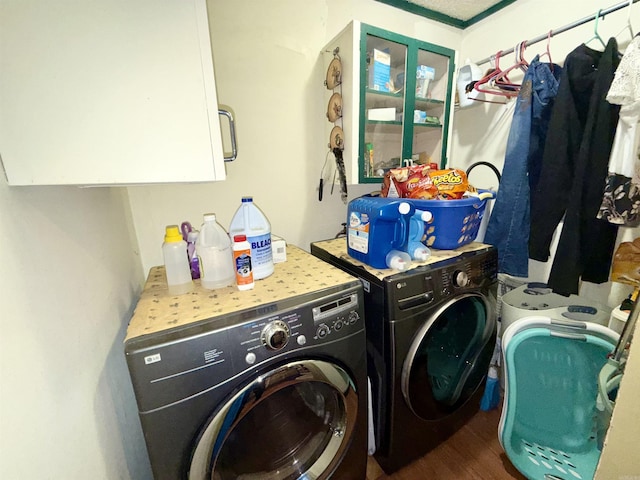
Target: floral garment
621	198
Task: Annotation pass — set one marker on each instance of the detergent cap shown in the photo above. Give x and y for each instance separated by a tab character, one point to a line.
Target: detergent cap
172	234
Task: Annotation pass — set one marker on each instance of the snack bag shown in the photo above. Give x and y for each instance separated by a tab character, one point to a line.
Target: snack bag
451	183
409	182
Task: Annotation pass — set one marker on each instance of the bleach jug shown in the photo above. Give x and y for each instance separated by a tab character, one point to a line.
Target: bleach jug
250	221
376	226
213	247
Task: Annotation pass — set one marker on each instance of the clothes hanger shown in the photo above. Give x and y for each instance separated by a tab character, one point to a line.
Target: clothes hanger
471	86
481	84
628	27
596	35
547	52
501	80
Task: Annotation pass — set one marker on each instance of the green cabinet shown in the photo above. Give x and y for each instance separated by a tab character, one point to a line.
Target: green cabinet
396	101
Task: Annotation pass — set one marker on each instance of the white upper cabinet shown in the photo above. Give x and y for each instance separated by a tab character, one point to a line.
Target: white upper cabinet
107	92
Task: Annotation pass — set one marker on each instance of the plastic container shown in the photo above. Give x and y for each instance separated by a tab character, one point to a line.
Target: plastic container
194	263
468	73
398	260
491	396
176	264
455	222
415	248
213	248
242	262
618	319
250	221
375	226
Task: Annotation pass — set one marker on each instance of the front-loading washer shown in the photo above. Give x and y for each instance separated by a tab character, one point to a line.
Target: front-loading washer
268	383
431	334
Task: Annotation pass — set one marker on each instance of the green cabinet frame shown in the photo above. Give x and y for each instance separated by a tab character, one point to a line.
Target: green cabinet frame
413	46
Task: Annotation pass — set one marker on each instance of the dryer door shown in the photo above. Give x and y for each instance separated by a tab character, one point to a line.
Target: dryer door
449	356
293	422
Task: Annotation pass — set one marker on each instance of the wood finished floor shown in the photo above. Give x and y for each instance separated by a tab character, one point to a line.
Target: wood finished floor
472	453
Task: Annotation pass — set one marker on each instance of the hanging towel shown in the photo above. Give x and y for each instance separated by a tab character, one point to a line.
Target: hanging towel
621	199
574	168
508	227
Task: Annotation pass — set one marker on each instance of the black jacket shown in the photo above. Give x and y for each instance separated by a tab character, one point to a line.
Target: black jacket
574	169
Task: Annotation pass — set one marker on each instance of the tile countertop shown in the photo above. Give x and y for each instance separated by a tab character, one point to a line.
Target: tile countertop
338	248
157	310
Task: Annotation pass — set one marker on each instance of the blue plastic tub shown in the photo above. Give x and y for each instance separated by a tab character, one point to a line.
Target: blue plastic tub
455	222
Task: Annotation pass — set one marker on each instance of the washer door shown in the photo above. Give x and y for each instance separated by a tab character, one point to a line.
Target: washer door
294	422
449	357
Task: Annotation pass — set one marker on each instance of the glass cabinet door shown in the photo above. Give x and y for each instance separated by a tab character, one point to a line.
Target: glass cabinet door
430	114
384	102
403	117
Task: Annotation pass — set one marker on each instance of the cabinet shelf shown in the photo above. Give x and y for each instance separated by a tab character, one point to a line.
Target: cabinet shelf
371	91
393	127
429	101
398	95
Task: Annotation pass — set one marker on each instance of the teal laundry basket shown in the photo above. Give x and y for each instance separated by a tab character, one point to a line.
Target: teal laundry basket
549	422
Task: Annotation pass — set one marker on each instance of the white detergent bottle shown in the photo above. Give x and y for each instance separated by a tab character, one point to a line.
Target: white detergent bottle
213	247
250	221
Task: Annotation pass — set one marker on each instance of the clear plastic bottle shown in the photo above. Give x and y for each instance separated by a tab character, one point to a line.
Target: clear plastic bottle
213	247
242	262
250	221
176	263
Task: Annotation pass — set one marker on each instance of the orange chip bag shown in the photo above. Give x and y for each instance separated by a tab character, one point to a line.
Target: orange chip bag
451	183
409	182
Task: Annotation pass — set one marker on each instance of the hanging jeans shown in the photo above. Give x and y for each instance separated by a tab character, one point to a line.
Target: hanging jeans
508	228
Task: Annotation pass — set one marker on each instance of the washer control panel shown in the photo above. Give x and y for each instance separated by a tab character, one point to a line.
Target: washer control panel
308	325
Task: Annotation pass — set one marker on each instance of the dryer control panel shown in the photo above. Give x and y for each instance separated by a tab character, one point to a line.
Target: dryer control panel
430	284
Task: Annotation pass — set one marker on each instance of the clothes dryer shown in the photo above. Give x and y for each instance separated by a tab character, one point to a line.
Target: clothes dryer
262	384
431	334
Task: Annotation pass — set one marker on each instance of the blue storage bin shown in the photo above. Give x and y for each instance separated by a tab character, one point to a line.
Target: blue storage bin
455	222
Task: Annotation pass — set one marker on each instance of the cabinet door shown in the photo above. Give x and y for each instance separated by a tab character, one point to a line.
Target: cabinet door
384	102
430	113
96	92
405	92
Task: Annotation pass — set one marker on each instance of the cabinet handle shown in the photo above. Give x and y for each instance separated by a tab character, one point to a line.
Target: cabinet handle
232	131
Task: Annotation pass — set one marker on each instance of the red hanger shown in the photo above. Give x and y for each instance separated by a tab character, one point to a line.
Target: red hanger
502	81
548	52
489	78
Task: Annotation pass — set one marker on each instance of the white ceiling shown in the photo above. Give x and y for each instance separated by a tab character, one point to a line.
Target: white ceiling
459	13
461	9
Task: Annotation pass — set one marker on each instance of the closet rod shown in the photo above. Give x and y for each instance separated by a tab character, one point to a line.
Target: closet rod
601	14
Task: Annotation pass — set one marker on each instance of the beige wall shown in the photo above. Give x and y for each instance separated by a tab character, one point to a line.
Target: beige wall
70	278
620	459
